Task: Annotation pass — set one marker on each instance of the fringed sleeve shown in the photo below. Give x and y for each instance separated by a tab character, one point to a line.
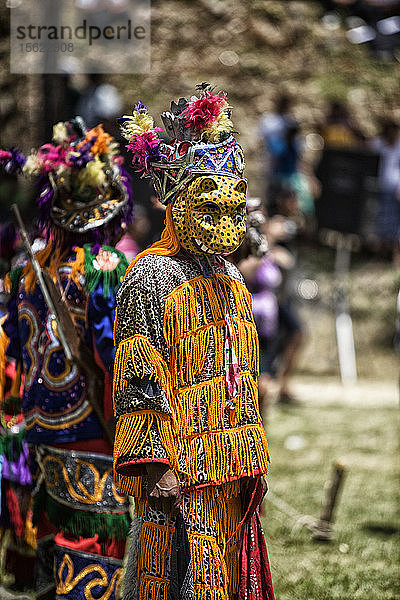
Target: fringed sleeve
145	425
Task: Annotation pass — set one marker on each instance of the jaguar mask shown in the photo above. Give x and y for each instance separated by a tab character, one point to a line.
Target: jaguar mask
209	215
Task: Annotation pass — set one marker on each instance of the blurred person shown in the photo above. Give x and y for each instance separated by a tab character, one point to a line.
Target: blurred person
100	102
286	153
308	189
339	130
84	200
274	124
387	145
283	144
137	234
262	277
268	276
279	132
282	232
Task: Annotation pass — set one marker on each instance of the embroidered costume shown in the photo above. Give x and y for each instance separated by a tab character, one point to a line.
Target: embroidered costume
185	373
82	520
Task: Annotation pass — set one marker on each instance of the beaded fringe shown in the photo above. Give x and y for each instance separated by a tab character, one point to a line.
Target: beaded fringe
182	305
203	408
216	567
205	593
227	453
154	548
189	352
153	588
207	560
146	361
137	426
216	512
156	588
194	321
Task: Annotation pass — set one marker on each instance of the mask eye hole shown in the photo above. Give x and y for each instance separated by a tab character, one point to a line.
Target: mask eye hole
241	187
208	185
239	219
207	219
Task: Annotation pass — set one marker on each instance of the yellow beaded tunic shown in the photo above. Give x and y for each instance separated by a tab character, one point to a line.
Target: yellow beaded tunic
170	394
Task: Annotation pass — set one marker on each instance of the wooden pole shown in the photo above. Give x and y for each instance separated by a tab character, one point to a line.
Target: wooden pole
323	528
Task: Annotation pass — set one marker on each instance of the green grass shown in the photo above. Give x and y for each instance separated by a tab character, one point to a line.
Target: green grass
362	562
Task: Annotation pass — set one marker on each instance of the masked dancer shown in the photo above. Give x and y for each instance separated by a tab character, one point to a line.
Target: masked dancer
189	443
63	351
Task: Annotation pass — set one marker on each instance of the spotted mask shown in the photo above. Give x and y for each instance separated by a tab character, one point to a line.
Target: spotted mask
210	215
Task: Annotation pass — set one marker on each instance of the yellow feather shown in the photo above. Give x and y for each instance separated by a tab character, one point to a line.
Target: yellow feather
92	175
136	125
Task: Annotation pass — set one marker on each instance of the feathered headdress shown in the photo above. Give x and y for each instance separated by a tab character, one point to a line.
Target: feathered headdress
200	142
82	184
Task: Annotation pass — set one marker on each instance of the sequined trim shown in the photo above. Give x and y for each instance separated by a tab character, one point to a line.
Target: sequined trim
77	573
58	422
81	480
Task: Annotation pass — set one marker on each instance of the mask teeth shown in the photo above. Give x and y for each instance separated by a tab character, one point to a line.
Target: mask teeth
202	246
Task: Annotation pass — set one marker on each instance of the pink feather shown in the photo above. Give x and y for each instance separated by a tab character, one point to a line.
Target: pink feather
5	155
144	147
200	113
52	157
